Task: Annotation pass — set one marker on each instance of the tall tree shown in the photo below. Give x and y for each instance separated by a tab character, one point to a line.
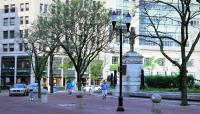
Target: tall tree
182	13
85	31
40	45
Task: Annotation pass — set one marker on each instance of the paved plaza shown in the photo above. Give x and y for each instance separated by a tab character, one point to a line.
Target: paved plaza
60	103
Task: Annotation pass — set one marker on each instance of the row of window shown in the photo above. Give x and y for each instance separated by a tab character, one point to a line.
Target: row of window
43	8
159	61
12	34
11	8
23	7
7	9
11	21
10	47
9	63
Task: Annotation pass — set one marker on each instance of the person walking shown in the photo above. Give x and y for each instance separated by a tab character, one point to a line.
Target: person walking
104	89
31	94
69	87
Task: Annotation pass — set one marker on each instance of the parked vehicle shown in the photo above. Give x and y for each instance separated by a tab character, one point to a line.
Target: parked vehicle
18	89
33	86
92	89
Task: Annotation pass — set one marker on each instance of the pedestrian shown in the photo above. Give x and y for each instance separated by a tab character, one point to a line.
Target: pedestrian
104	89
69	87
31	95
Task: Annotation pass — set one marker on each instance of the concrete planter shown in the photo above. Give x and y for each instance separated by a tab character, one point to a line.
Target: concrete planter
44	96
79	100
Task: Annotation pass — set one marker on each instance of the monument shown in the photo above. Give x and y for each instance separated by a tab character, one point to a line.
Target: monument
131	69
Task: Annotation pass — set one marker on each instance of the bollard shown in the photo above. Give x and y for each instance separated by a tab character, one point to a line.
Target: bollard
44	96
54	89
156	99
79	100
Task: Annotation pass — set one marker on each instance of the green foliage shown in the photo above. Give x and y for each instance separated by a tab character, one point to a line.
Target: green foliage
151	63
83	25
114	67
190	90
67	64
167	81
96	69
162	89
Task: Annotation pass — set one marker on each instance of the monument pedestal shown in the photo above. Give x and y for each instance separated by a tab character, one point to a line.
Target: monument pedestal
131	79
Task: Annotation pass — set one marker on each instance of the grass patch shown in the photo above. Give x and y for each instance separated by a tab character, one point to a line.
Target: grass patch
190	90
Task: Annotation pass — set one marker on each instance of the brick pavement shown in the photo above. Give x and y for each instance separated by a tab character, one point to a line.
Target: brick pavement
60	103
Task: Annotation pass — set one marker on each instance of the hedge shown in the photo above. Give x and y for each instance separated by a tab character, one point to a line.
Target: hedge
167	81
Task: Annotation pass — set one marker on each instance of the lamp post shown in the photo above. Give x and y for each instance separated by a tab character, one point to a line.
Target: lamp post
114	20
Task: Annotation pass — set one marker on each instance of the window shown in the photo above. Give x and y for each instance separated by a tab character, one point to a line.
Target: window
21	33
147	61
5	47
114	60
12	21
41	7
190	63
194	23
26	33
6	8
12	8
26	46
21	20
20	47
26	20
5	22
5	34
22	7
118	11
11	47
27	6
45	8
12	34
161	61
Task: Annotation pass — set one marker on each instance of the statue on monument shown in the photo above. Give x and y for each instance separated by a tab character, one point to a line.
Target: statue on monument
132	39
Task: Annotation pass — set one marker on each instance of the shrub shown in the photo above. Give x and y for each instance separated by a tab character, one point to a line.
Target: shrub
167	81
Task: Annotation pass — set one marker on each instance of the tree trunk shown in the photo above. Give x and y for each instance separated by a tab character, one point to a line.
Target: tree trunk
79	81
51	73
39	87
183	77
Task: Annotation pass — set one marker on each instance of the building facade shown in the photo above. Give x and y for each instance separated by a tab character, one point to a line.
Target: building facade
16	16
150	50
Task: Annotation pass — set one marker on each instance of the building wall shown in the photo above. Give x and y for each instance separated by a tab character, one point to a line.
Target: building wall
148	50
26	10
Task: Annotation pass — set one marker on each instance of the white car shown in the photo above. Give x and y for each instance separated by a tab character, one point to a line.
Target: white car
18	89
91	89
33	86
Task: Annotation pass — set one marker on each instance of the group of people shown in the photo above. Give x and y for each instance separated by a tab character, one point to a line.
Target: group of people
69	87
104	88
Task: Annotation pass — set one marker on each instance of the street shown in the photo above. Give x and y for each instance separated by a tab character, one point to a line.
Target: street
61	103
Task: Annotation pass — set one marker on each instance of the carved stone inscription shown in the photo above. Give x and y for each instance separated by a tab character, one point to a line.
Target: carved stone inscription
133	60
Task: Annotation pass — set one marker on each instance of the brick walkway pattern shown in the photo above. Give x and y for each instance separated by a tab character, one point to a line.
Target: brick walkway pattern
61	103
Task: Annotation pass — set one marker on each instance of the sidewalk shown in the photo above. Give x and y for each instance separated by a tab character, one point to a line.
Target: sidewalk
61	103
166	95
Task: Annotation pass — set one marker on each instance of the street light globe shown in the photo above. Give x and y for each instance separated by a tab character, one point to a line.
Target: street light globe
114	19
128	21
